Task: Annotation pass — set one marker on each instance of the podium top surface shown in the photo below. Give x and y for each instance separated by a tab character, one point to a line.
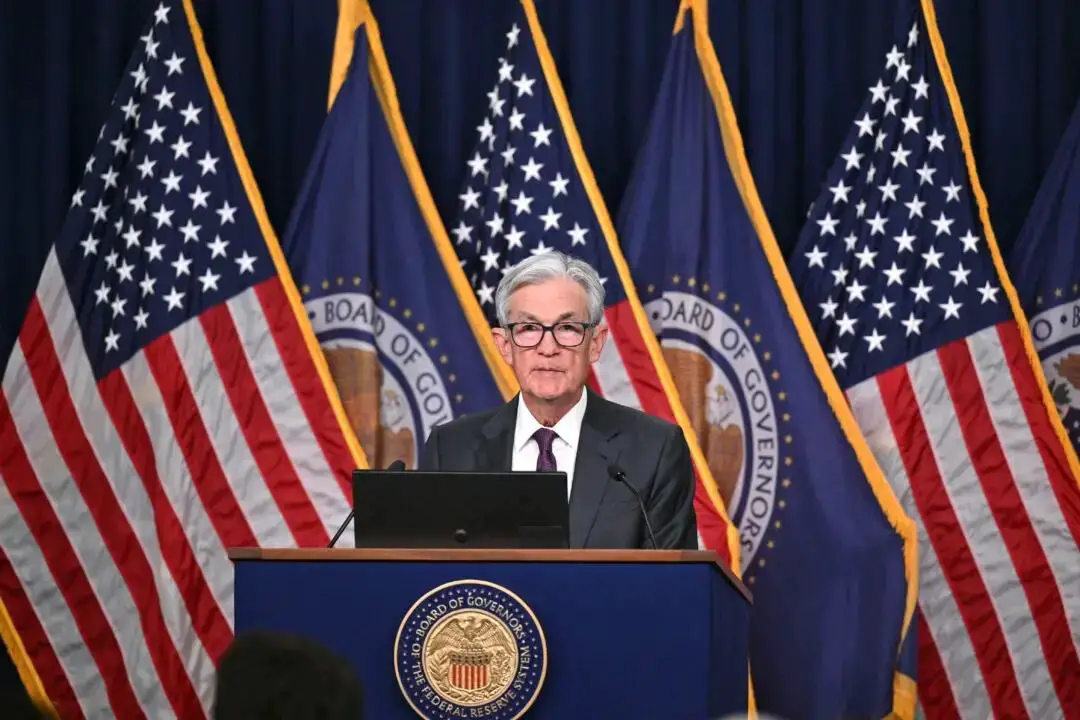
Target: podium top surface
508	555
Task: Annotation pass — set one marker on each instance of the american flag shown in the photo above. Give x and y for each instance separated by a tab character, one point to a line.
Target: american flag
162	404
898	269
529	190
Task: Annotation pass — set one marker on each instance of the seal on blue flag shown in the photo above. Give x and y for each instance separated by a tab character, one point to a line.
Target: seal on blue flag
470	648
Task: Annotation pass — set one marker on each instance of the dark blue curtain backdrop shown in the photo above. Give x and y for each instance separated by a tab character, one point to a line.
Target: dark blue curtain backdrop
798	70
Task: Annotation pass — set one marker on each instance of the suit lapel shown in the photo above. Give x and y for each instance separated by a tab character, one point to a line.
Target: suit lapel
594	455
495	450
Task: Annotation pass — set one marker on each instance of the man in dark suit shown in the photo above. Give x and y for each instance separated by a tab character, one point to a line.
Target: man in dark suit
550	309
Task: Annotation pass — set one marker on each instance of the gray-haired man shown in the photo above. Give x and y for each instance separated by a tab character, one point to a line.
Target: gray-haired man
550	311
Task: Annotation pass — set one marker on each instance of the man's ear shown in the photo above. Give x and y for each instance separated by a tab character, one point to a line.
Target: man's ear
596	344
502	343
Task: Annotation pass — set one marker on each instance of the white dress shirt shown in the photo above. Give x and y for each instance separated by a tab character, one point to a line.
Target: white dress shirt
564	447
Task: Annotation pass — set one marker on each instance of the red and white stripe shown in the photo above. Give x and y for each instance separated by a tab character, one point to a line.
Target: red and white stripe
113	562
625	374
966	442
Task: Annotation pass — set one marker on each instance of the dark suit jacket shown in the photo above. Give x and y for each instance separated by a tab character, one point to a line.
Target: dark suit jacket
603	513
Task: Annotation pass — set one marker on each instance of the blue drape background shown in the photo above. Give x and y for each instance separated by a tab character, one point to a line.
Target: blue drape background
798	70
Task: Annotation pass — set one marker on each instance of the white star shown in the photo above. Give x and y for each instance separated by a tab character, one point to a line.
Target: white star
199	197
120	144
952	192
879	91
182	265
117	306
130	110
875	340
970	241
816	257
988	292
856	291
153	250
884	307
245	262
902	71
922	291
871	173
508	155
522	203
866	257
490	259
112	341
888	190
933	258
879	140
943	225
895	274
209	280
828	308
227	213
111	259
921	87
164	98
524	85
840	192
486	130
102	293
828	225
900	156
109	176
540	249
911	325
147	285
890	106
551	219
926	174
139	75
541	136
532	169
866	125
495	223
132	236
852	159
506	70
913	35
915	207
485	293
174	299
462	232
161	15
217	248
837	358
846	325
175	65
558	186
478	165
146	167
936	140
960	275
163	216
125	270
495	102
100	211
208	163
172	182
893	58
138	203
517	121
850	240
577	235
89	245
512	36
951	308
877	224
470	198
140	319
514	238
839	275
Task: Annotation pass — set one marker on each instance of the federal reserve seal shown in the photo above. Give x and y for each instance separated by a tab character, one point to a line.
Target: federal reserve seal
470	649
716	361
392	388
1056	335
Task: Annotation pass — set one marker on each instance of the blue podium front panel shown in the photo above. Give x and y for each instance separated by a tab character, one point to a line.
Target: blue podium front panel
622	640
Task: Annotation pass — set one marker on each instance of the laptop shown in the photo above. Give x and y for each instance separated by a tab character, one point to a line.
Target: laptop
437	509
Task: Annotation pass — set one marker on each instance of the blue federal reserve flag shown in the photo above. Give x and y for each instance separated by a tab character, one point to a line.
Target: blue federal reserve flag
404	337
825	546
1045	268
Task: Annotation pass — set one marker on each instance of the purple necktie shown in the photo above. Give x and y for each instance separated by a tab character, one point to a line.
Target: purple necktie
544	438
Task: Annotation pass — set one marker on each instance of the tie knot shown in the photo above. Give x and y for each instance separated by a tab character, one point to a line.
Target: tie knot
544	438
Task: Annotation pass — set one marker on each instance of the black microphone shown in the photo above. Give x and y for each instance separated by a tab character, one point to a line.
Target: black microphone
396	466
618	475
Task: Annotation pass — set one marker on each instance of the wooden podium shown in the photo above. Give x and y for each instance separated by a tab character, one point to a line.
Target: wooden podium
619	634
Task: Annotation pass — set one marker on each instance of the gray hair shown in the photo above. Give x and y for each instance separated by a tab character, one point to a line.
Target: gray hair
547	266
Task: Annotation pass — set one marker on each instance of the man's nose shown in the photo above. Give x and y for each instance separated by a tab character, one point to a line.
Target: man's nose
548	346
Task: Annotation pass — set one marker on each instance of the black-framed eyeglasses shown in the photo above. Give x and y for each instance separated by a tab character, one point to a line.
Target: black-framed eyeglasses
567	334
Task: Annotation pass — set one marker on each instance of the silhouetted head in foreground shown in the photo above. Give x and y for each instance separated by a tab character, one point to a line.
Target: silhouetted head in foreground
267	676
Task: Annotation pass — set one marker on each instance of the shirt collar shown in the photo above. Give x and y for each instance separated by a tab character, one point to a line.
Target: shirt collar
568	428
